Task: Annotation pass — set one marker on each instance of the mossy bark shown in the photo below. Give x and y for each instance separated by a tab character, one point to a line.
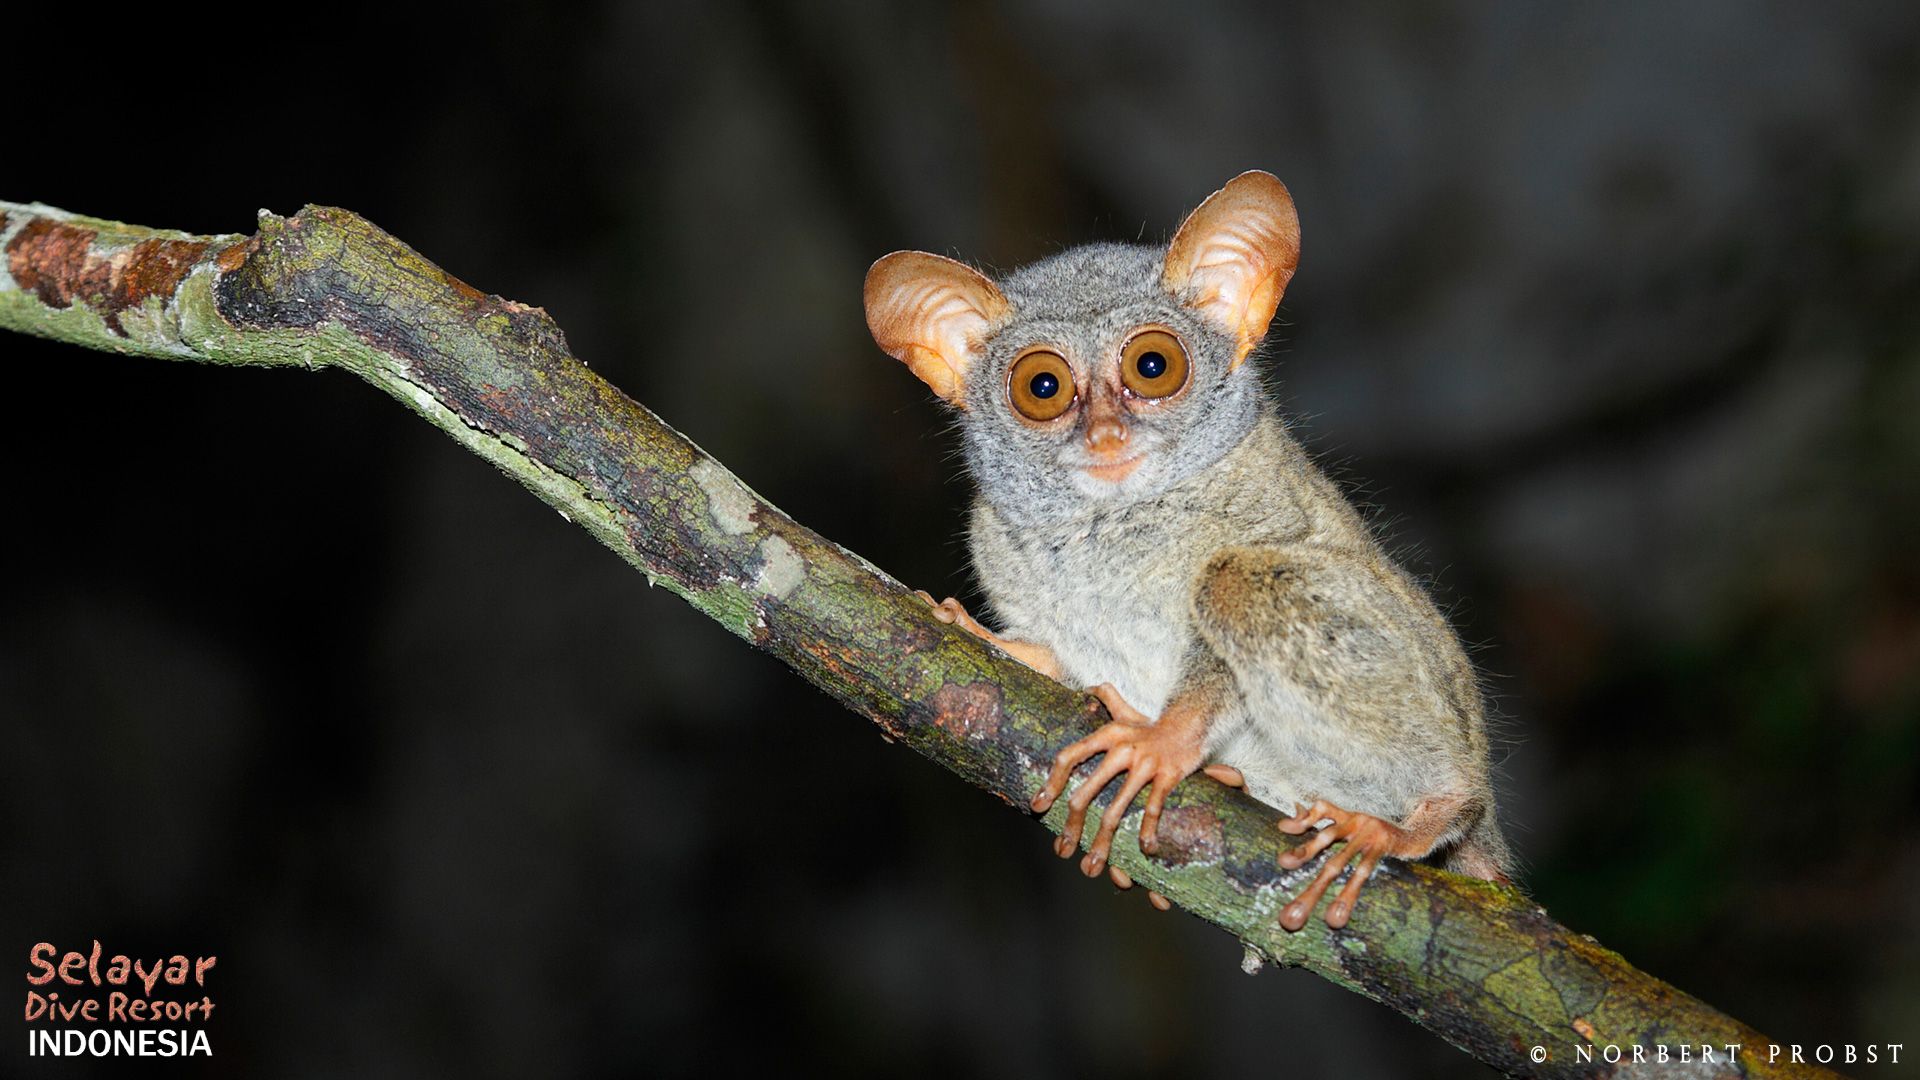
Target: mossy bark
1478	964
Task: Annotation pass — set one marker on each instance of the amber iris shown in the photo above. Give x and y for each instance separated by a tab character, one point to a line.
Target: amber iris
1153	364
1041	385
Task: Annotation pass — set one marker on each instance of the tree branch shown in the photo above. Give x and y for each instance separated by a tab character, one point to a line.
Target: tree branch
1477	964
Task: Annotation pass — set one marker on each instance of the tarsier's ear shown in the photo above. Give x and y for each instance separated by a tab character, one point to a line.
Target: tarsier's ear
1234	255
930	313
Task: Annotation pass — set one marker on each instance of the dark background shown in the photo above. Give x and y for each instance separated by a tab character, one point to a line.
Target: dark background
1609	318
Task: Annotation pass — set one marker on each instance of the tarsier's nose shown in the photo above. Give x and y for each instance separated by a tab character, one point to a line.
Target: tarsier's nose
1107	437
1106	428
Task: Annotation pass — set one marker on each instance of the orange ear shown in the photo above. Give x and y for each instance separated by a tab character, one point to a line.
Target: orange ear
1233	256
930	313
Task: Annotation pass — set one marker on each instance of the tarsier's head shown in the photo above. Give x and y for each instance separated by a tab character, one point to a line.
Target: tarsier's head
1105	374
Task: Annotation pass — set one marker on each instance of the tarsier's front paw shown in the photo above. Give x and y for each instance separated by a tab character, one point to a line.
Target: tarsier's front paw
1150	754
1368	839
954	612
951	611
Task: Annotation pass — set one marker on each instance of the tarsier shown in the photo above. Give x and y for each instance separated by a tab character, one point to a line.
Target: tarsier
1146	527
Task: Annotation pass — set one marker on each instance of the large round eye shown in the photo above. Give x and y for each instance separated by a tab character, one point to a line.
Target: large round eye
1041	385
1153	364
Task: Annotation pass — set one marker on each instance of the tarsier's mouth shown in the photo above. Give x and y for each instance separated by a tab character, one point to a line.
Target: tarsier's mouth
1116	471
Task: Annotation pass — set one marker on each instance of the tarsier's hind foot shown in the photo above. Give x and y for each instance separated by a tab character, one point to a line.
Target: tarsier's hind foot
1364	840
1368	839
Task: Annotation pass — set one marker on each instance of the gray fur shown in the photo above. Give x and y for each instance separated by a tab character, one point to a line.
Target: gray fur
1083	302
1227	548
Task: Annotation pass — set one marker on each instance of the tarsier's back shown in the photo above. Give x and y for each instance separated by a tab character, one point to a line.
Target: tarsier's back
1146	527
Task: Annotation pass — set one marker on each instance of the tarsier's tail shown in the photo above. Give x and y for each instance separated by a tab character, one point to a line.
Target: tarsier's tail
1483	852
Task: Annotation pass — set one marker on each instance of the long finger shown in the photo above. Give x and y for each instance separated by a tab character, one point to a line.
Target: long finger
1068	759
1150	820
1226	774
1294	915
1306	819
1112	765
1342	907
1137	778
1299	856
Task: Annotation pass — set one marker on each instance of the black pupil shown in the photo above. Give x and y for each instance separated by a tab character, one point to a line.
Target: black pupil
1044	385
1151	365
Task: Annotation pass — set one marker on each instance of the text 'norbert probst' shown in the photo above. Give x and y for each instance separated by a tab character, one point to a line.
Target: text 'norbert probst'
1734	1053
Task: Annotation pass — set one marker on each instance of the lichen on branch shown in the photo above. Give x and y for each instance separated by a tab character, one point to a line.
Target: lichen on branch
1476	963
